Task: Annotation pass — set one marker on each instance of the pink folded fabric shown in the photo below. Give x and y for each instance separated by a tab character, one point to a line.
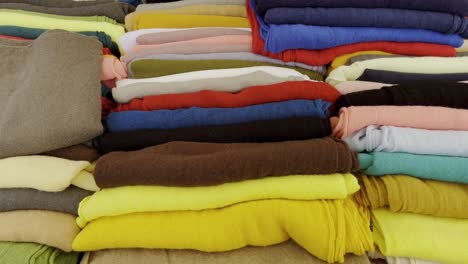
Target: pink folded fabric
112	70
354	118
188	34
358	86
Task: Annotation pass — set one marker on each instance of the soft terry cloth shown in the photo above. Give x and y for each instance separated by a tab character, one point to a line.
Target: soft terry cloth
413	195
459	7
27	127
250	96
439	168
137	199
148	20
420	236
30	199
43	227
198	164
409	140
45	173
187	34
426	93
423	117
32	253
406	65
76	152
327	229
284	253
195	116
370	17
399	77
297	128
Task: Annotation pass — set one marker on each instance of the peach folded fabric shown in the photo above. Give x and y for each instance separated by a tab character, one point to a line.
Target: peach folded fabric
354	118
112	70
359	86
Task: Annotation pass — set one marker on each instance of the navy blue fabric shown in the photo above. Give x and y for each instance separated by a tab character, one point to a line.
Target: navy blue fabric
459	7
195	116
370	17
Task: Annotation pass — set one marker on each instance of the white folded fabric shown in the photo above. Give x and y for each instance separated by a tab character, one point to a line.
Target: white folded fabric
409	140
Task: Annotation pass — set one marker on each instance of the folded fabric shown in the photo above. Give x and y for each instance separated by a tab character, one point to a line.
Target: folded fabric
298	128
148	20
370	57
257	223
459	7
45	21
35	129
358	86
223	80
196	116
284	253
399	77
44	173
56	3
36	226
76	152
404	65
139	199
187	34
30	199
344	59
439	168
412	195
425	93
420	236
464	47
112	69
202	164
177	4
250	96
12	252
354	118
409	140
149	68
370	17
377	256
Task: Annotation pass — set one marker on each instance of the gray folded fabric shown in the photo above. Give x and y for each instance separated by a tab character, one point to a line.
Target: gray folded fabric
50	94
177	4
30	199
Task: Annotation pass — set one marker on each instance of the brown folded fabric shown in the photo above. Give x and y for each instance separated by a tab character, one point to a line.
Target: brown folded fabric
408	194
198	164
75	152
285	253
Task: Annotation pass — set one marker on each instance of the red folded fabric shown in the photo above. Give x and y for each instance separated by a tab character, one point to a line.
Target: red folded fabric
251	96
12	37
325	56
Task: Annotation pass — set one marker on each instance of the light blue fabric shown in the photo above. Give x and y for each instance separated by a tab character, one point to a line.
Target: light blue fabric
439	168
195	116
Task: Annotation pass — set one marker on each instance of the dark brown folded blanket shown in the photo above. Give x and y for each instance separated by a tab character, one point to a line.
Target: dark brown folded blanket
75	152
198	164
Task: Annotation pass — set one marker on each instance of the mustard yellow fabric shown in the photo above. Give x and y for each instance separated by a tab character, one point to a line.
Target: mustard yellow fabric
343	59
327	229
420	236
134	199
164	20
408	194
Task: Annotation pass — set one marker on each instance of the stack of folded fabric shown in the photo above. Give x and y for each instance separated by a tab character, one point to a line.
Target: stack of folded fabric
414	137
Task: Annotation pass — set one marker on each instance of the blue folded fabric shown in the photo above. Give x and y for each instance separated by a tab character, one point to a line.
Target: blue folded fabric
439	168
370	17
195	116
459	7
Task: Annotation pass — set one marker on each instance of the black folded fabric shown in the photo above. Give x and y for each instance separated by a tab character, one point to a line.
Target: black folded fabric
261	131
400	77
424	93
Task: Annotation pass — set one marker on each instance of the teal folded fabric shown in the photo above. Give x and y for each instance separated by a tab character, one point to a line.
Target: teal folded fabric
439	168
32	253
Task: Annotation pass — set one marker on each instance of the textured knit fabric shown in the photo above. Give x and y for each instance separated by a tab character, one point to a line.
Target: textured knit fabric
399	77
298	128
27	127
409	140
420	236
43	227
196	116
440	168
187	34
413	195
201	164
139	199
318	226
32	253
76	152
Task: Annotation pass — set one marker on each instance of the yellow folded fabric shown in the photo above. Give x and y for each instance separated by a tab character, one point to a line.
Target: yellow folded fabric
163	20
408	194
136	199
327	229
421	236
45	173
343	59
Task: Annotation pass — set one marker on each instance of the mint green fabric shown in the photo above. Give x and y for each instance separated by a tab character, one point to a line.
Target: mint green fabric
439	168
31	253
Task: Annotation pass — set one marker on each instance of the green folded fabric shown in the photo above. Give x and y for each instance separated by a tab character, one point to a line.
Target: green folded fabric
439	168
32	253
149	68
